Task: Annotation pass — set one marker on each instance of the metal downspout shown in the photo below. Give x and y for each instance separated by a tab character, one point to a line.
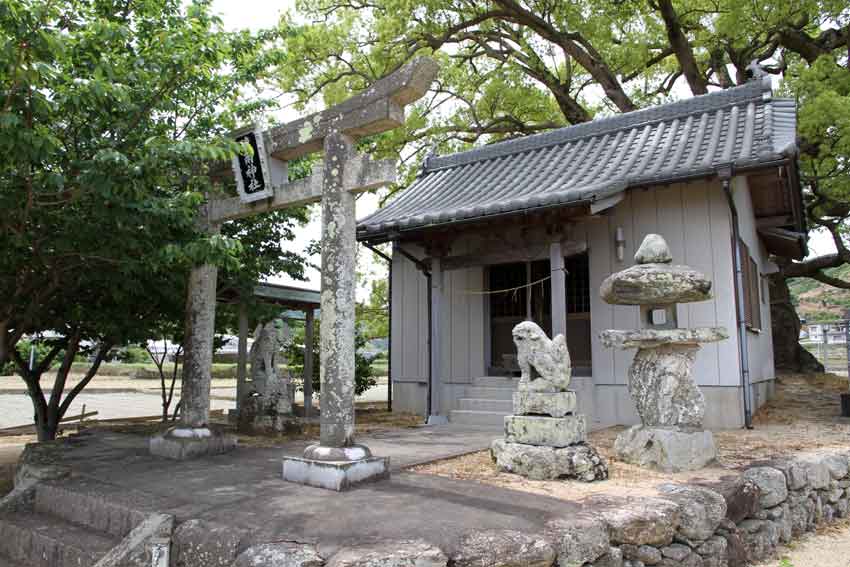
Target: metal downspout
737	264
389	261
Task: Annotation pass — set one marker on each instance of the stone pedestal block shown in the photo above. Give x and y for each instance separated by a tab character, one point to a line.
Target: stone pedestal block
181	443
580	461
554	404
335	468
668	450
335	475
546	431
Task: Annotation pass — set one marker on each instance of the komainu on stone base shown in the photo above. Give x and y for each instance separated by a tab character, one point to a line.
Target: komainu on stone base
267	406
668	450
545	439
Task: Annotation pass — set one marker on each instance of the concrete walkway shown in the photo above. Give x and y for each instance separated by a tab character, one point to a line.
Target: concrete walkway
244	489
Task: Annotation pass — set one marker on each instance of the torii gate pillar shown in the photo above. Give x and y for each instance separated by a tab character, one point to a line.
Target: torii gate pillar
336	462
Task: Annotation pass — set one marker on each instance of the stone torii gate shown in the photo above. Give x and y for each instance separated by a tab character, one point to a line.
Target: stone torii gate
336	461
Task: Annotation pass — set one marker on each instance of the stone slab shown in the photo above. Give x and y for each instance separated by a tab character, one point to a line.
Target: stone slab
667	450
335	475
180	443
554	404
655	284
580	461
545	431
240	489
649	338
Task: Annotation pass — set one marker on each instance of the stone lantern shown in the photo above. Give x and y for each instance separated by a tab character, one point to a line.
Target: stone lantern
670	405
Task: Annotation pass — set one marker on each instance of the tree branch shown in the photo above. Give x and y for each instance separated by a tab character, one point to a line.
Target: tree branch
681	46
101	354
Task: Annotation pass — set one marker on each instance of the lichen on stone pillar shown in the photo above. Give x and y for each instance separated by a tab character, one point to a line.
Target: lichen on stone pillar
197	359
336	355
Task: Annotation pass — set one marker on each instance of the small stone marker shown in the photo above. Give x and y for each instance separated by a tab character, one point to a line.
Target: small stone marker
545	438
670	404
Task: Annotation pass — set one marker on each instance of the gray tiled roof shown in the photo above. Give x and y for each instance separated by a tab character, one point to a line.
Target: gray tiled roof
587	162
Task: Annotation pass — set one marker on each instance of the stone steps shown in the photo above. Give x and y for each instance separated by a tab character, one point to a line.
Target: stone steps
488	393
81	505
484	404
486	401
471	417
496	382
43	540
73	523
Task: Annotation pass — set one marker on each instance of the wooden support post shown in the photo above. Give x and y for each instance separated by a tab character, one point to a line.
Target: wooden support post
529	316
437	416
559	290
308	362
242	355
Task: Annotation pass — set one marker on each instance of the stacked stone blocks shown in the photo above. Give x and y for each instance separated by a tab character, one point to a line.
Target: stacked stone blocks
545	438
671	406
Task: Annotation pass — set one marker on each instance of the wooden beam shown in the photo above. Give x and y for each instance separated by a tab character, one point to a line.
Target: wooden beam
307	371
436	417
774	221
462	261
30	429
377	109
559	289
242	354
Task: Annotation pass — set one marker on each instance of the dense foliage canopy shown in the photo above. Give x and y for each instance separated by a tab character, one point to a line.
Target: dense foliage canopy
112	116
515	67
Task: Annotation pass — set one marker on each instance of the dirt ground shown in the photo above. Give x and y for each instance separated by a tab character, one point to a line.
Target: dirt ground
804	415
827	547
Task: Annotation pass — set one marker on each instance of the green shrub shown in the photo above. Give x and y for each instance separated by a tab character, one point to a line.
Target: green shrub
133	355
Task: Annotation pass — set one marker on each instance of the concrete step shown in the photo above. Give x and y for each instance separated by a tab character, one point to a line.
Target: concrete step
488	393
478	404
470	417
496	382
41	540
79	504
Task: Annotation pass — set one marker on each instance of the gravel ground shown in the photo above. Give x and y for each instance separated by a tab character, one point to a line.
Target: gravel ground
802	416
828	547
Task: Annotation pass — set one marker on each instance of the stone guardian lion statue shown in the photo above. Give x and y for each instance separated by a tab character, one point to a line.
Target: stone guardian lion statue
550	358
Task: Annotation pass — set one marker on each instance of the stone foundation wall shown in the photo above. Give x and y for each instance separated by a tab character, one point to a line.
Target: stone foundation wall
729	523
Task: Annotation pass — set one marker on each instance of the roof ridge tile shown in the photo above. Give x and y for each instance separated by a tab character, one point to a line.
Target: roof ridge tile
713	101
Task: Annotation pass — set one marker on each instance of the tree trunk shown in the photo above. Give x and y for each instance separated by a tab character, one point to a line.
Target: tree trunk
47	428
788	354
